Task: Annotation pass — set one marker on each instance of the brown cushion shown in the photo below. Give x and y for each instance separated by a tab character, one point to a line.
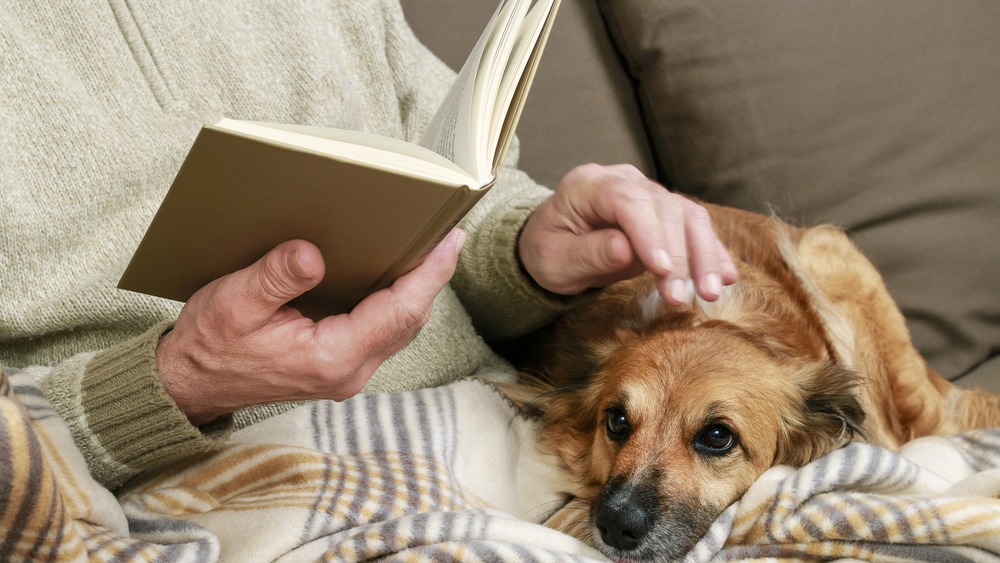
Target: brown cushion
581	107
882	117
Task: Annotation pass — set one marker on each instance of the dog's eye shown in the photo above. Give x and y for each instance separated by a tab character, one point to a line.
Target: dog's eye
617	424
715	439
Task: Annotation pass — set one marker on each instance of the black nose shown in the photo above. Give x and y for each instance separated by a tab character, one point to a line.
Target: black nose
623	524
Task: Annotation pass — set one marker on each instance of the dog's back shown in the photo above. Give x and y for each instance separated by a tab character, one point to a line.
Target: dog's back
833	307
664	415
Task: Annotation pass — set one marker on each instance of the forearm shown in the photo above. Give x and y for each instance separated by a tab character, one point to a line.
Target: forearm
121	418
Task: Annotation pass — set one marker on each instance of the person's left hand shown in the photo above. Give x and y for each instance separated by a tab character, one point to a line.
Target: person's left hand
609	223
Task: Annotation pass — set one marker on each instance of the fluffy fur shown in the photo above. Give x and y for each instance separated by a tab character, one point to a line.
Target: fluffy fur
664	416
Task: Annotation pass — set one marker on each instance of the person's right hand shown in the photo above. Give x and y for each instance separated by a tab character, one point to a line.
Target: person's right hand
604	224
237	343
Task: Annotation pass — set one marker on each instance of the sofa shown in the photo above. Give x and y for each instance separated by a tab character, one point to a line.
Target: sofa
879	117
882	118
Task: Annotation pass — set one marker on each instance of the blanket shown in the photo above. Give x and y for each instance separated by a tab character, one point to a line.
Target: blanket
454	473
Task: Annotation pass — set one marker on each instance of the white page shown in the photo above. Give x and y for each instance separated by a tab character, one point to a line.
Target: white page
358	147
457	131
523	46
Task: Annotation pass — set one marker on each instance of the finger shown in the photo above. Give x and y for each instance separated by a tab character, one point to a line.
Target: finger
705	251
672	217
385	321
711	264
632	201
594	259
728	268
653	220
256	292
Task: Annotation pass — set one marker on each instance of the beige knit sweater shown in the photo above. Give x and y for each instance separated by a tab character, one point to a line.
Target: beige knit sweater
99	103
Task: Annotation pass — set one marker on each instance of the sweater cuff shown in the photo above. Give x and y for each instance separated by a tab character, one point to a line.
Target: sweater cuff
130	415
505	255
509	300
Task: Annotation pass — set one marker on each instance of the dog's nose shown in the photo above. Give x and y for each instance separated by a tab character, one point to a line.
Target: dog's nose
623	525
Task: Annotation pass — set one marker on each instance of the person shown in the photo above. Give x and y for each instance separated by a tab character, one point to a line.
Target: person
100	106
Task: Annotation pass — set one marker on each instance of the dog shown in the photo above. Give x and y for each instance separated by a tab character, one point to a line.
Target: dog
664	416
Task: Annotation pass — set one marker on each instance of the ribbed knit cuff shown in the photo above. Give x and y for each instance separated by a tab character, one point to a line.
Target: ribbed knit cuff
506	258
502	299
130	413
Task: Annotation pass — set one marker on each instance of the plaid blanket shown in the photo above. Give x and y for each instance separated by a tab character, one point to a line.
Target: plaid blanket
454	473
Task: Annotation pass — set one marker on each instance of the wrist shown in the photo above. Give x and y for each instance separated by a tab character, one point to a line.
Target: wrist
125	414
176	371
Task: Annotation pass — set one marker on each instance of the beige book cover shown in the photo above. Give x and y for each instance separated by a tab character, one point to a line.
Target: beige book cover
374	206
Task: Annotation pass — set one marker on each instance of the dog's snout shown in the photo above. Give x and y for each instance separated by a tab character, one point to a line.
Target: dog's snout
623	524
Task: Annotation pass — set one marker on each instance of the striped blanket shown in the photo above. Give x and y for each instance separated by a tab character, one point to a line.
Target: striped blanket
454	473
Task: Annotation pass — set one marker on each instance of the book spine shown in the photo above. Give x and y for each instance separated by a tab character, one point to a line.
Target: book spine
457	206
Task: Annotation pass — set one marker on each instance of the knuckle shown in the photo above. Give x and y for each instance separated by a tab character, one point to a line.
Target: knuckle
672	208
408	317
590	169
581	172
628	172
271	280
341	379
625	191
699	215
352	386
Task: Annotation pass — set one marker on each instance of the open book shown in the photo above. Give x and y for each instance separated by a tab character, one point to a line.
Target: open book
375	206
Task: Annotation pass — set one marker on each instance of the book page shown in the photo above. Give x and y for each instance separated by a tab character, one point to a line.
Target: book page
523	48
457	129
508	116
356	146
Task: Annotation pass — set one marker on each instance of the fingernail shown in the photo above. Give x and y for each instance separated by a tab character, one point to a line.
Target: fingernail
732	274
663	260
679	290
460	240
295	266
712	283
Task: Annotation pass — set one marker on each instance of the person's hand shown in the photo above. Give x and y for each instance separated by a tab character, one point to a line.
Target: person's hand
609	223
237	343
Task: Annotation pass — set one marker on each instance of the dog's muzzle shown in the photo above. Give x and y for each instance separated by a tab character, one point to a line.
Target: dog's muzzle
625	512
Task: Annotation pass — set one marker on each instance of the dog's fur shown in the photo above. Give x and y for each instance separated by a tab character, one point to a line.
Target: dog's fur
665	415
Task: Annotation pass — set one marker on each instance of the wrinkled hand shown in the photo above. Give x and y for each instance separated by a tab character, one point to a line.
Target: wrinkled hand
237	343
609	223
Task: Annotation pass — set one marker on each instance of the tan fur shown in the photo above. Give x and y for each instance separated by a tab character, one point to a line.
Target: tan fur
805	353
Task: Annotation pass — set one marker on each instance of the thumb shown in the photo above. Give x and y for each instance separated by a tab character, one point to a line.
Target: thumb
284	273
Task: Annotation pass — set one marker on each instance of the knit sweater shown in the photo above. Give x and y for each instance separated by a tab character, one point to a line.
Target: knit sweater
101	101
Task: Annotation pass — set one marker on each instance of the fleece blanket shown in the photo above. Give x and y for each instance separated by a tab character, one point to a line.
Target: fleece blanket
454	473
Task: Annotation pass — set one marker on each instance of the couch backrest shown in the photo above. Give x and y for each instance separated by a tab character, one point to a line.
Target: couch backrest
883	118
581	108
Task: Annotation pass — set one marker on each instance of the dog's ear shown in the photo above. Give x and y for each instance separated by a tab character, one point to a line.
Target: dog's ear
575	350
570	415
827	415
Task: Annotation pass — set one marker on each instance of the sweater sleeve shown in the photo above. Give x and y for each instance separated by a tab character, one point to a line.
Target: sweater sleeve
503	301
121	418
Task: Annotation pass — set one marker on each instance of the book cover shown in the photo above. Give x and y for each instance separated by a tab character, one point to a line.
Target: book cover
374	206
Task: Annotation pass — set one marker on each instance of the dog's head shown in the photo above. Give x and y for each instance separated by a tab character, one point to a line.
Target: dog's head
667	417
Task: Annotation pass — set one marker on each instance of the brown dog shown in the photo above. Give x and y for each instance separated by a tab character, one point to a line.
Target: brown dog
664	416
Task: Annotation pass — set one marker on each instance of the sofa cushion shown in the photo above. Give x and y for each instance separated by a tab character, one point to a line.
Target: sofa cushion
881	117
581	107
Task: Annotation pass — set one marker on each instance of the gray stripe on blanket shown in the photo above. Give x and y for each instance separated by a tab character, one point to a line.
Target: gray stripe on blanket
980	448
871	552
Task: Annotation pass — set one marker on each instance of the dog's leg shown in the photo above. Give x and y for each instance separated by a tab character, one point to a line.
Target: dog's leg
906	398
974	408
